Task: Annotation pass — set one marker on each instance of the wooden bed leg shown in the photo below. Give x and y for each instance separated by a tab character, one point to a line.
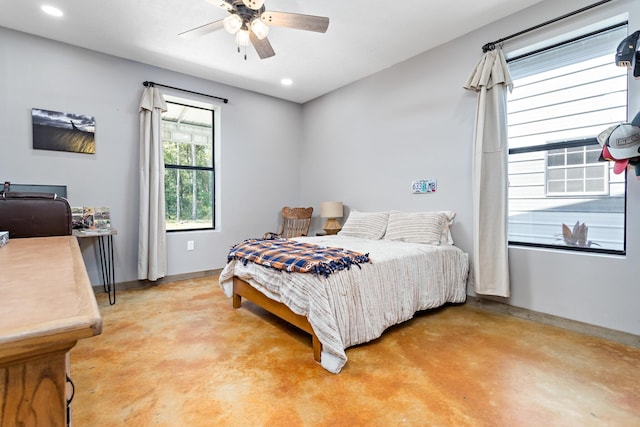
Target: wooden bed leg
242	288
317	347
237	301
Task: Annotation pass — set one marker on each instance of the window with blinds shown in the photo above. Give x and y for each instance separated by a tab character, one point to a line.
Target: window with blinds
561	194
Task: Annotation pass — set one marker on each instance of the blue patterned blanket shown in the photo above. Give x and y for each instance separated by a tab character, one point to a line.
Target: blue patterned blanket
292	256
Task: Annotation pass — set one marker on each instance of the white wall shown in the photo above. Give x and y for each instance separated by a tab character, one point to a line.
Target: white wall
40	73
362	144
366	142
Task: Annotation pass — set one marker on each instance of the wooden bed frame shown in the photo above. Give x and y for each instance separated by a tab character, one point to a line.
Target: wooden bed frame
243	289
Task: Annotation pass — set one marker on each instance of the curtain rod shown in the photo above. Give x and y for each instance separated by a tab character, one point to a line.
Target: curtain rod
152	84
492	45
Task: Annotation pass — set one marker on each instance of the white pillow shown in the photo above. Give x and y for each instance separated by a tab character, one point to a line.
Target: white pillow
416	227
445	237
366	225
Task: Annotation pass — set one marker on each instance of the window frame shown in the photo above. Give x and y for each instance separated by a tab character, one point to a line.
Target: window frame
211	169
583	142
583	166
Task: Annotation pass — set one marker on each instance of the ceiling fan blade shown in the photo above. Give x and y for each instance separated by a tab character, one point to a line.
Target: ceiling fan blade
202	30
318	24
222	4
263	47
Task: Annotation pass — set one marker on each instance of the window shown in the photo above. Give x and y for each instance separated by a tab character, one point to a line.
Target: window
188	141
576	171
563	97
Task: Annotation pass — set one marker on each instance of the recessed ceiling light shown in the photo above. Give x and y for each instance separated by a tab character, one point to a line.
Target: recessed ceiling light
50	10
286	81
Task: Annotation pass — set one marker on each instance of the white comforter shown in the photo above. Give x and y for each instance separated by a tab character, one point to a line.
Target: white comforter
355	306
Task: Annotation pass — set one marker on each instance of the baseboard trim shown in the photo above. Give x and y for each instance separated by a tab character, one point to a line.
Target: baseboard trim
561	322
140	284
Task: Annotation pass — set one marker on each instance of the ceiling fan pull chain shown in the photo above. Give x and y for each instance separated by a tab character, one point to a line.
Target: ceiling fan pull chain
245	51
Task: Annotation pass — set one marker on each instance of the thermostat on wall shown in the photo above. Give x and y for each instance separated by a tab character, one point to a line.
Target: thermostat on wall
423	186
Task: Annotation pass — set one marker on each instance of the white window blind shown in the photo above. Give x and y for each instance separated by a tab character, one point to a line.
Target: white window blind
563	98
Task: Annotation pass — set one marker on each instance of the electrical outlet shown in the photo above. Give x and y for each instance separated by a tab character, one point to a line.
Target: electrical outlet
190	245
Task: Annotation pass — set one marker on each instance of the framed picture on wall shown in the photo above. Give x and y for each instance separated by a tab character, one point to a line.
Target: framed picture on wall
53	130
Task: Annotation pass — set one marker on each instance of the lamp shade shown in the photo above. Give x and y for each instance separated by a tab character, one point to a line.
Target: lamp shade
259	28
242	38
232	23
331	210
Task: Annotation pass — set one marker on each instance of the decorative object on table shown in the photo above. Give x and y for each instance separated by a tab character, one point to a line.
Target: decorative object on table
77	217
331	211
4	238
53	130
102	217
88	219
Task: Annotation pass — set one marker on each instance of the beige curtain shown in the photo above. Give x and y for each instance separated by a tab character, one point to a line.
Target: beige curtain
490	264
152	246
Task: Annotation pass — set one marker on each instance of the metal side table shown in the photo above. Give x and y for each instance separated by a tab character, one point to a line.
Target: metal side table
105	248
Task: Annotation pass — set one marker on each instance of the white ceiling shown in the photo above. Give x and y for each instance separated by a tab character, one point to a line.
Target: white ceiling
364	37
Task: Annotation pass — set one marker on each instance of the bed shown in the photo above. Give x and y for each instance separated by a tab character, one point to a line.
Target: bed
354	305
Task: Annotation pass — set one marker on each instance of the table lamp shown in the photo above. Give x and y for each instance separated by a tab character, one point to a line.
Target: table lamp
331	211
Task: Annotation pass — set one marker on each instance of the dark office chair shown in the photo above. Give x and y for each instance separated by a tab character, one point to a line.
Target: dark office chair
295	223
25	214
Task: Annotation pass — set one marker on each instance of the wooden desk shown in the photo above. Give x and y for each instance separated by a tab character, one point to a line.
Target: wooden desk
46	306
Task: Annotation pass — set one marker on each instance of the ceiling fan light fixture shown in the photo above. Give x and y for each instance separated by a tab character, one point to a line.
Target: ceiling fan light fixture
253	4
242	38
251	24
259	28
232	23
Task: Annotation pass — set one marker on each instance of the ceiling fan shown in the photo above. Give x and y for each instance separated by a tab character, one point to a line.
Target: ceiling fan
249	21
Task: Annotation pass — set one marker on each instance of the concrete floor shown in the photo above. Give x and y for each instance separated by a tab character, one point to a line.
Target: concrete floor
179	355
